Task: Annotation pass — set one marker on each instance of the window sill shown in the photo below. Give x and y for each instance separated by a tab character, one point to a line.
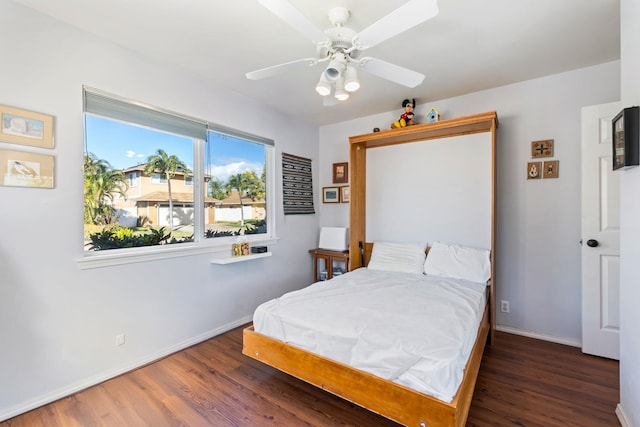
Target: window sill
114	257
234	259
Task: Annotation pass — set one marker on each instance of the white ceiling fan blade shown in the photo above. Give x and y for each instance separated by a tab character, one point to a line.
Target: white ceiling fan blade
407	16
292	16
281	68
392	72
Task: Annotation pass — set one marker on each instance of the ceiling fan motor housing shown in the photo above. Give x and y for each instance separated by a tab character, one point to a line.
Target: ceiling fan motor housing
339	39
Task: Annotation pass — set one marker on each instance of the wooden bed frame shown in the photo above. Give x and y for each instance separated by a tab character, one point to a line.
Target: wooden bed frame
394	401
391	400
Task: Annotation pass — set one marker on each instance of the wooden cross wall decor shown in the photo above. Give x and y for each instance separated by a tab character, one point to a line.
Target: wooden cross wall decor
543	148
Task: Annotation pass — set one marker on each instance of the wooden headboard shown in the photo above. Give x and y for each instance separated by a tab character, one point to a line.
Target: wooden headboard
474	124
368	248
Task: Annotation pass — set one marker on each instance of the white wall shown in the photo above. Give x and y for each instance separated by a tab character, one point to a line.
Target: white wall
58	323
399	176
538	221
630	227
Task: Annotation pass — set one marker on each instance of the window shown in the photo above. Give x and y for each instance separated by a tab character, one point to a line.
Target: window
133	179
155	178
236	174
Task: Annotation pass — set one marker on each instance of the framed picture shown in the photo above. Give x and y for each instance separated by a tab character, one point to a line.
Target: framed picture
542	148
345	195
534	170
340	173
22	169
626	138
25	127
330	194
550	169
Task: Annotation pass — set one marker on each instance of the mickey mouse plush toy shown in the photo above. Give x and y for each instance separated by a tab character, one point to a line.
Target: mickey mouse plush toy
406	119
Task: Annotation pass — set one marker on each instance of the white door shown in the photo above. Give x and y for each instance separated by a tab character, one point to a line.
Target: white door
600	234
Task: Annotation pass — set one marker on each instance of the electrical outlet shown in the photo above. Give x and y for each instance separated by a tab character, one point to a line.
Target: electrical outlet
504	306
119	340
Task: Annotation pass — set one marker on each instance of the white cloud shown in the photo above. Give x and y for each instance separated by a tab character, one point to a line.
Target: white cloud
223	172
131	153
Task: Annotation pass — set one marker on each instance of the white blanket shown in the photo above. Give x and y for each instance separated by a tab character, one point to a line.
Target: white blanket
412	329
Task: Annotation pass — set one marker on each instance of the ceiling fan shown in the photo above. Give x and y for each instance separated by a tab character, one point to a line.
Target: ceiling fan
341	47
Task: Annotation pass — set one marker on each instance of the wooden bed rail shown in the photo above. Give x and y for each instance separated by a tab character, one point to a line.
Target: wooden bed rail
391	400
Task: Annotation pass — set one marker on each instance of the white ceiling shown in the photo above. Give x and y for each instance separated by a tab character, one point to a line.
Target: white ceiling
470	46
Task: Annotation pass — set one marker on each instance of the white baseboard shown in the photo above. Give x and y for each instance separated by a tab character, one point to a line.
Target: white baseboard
104	376
537	335
621	417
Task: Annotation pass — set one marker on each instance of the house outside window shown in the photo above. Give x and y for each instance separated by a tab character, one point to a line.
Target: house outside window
133	180
156	178
172	179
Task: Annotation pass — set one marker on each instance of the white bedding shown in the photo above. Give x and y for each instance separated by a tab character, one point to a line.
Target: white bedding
412	329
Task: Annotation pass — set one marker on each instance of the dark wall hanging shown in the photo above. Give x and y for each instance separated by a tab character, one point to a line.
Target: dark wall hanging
297	185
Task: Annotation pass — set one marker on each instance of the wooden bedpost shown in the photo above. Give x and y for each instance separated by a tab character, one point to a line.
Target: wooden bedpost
494	205
357	205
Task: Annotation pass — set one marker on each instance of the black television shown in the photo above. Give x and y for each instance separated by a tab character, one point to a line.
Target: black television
626	138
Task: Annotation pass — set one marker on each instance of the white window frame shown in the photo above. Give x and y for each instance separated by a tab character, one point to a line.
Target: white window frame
116	108
157	179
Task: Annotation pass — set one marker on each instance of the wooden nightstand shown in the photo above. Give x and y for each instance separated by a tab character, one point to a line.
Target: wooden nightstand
327	264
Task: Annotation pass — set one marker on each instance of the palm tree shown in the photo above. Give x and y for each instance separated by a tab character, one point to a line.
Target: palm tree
167	166
101	184
217	189
249	185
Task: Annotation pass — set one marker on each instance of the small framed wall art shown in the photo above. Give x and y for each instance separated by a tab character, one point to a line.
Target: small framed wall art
626	138
330	194
533	170
22	169
550	169
26	127
340	173
345	194
543	148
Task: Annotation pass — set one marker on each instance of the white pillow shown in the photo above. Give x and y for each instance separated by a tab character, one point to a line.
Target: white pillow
458	262
400	257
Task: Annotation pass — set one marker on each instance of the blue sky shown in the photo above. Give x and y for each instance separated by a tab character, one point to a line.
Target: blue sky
124	145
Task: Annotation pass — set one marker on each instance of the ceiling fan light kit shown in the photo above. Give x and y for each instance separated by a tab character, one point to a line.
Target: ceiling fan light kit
351	82
340	94
323	87
341	46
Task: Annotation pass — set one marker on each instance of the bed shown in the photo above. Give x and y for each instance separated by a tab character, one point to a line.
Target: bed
401	334
357	373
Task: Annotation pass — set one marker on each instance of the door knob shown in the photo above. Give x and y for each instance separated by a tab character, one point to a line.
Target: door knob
592	243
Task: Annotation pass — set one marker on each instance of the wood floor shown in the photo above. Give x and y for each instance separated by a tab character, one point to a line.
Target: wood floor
522	382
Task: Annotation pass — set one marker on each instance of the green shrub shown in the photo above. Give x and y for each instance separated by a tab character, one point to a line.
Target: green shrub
218	233
116	236
256	227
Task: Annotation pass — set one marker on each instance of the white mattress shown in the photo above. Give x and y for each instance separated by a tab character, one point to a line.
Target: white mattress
412	329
